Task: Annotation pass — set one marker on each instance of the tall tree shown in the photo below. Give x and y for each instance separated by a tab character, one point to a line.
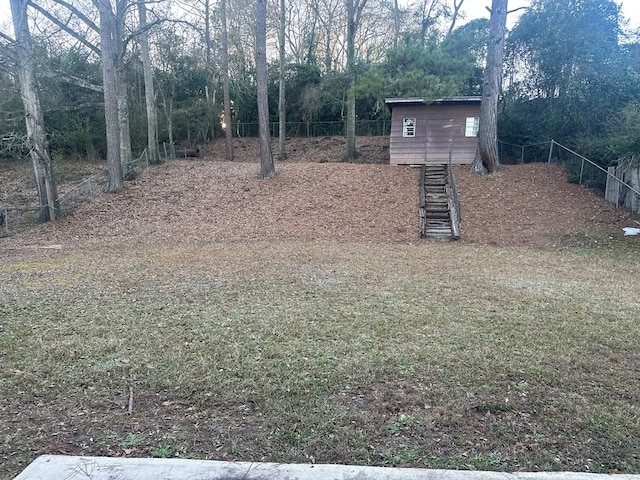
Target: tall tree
124	125
282	103
115	89
228	130
149	89
354	14
578	73
267	170
486	159
34	117
108	35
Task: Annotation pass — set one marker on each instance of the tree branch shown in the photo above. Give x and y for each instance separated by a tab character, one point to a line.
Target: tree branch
78	14
7	38
516	9
67	29
73	80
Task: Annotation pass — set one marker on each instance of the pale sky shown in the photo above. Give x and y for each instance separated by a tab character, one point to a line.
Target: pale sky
478	9
471	8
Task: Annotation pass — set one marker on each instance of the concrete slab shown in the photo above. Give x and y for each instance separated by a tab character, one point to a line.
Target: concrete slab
55	467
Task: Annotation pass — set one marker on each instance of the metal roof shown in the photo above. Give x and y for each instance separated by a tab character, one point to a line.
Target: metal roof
412	101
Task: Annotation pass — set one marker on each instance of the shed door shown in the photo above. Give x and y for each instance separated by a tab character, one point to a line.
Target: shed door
439	139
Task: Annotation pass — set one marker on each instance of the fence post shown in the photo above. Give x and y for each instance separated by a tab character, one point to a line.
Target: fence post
581	171
90	188
522	154
550	152
618	187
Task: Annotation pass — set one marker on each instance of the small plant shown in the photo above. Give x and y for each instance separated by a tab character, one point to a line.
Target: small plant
537	437
164	451
405	368
400	425
500	430
490	461
405	455
626	467
131	440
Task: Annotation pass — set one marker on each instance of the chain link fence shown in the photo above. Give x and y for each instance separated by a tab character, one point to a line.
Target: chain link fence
619	185
14	219
364	128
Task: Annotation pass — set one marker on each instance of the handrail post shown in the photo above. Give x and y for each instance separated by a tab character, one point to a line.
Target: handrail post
581	171
550	152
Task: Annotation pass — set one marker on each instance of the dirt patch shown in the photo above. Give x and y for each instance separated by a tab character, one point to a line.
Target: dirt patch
317	196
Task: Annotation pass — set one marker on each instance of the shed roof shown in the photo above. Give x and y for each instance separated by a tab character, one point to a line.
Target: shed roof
412	101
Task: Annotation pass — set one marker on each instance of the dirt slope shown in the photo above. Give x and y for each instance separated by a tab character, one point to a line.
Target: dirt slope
315	196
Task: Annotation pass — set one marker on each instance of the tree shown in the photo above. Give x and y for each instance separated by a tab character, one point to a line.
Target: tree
282	103
267	169
578	74
228	132
34	117
114	82
486	159
108	35
354	14
149	90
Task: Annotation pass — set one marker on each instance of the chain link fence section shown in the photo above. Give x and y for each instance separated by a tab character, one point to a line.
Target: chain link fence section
512	154
364	128
15	219
619	185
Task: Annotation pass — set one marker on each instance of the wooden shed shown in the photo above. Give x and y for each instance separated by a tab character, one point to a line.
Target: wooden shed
430	131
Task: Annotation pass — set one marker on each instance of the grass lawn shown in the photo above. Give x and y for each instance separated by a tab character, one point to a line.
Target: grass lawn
426	355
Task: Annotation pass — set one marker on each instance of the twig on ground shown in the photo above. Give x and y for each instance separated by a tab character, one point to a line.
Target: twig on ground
130	407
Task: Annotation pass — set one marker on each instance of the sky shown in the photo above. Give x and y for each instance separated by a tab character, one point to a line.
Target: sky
478	9
471	8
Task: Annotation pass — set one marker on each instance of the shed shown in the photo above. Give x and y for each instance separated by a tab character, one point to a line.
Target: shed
430	131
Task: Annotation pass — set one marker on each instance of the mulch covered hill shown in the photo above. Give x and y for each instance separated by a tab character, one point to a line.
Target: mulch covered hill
316	196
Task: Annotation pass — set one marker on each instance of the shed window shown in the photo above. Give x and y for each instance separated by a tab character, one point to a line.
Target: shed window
408	127
471	129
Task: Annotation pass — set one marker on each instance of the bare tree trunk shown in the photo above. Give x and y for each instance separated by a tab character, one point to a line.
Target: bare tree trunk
486	159
396	23
267	170
108	35
228	131
282	105
354	11
123	115
122	93
149	89
34	117
212	80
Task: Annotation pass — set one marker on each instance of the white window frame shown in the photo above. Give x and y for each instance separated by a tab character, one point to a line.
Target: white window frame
471	127
408	127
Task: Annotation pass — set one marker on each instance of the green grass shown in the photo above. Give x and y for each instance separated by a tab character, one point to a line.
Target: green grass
442	356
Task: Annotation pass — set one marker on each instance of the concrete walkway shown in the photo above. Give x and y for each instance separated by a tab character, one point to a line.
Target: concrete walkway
54	467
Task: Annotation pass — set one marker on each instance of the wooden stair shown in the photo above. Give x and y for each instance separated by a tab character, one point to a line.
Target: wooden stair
439	204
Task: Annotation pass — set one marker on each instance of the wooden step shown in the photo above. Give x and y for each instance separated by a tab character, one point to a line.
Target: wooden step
435	217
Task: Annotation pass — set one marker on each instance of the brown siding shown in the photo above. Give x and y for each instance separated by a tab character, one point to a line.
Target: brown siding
434	136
